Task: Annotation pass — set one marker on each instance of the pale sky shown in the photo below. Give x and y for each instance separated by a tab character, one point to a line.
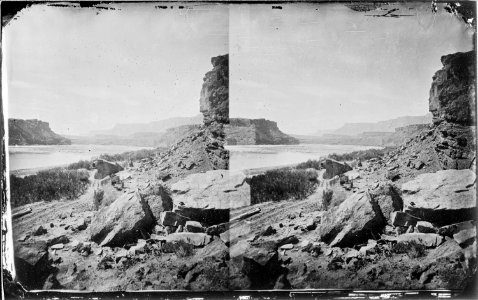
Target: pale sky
316	66
84	69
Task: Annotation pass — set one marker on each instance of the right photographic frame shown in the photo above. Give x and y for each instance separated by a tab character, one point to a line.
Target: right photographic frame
355	125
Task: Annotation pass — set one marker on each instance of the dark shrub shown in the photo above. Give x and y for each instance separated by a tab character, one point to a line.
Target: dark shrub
132	155
311	163
412	249
362	154
327	198
47	185
281	184
181	248
82	164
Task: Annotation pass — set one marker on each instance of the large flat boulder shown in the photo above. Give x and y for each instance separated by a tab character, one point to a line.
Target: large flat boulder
157	198
388	199
334	168
428	240
105	168
442	198
31	263
214	189
353	222
122	221
193	238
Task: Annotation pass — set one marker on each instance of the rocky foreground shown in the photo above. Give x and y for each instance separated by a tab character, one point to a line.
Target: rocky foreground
177	221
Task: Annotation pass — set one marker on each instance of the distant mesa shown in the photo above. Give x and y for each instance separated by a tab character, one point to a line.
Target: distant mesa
256	132
33	132
381	126
161	126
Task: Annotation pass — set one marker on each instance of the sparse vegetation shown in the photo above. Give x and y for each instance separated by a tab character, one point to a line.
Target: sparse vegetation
362	154
47	185
412	249
181	248
82	164
281	184
311	163
327	198
132	155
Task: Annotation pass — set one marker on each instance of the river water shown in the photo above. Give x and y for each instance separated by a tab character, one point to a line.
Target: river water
244	157
33	157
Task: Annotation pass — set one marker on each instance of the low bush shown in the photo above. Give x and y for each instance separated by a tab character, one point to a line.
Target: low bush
54	184
132	155
281	184
181	248
327	198
412	249
311	163
362	154
82	164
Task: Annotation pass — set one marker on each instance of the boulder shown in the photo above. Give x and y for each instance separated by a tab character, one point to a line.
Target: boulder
157	198
354	221
465	237
352	175
207	216
63	239
193	226
105	168
169	218
449	248
122	221
442	198
217	229
450	230
195	239
39	231
399	218
428	240
452	94
262	266
425	227
31	263
216	248
220	189
388	200
333	168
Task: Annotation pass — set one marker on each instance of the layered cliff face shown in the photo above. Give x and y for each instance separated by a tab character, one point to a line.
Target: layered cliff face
452	94
214	100
33	132
450	142
197	149
256	132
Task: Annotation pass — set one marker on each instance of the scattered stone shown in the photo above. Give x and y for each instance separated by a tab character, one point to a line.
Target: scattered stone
429	240
23	238
268	231
216	230
286	247
194	226
354	221
196	239
465	237
216	248
388	200
57	247
369	248
39	231
158	200
79	225
63	239
32	259
120	222
425	227
140	247
292	239
261	266
450	230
